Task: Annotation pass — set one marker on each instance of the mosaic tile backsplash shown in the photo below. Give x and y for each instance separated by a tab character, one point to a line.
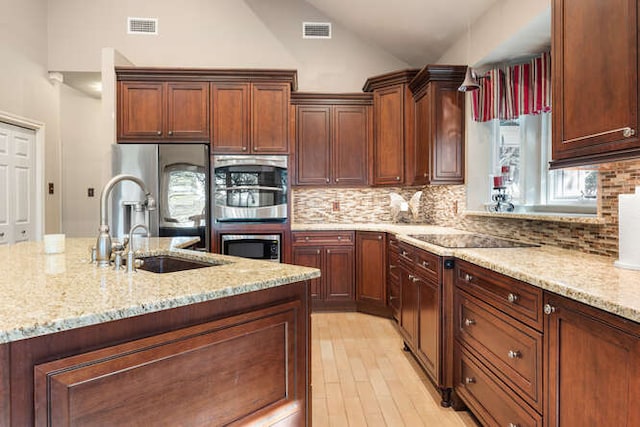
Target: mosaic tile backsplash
444	205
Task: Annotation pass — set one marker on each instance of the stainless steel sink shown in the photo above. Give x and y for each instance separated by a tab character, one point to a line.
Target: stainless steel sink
171	264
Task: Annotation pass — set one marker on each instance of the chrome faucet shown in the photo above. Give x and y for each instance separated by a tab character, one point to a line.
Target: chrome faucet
103	246
131	258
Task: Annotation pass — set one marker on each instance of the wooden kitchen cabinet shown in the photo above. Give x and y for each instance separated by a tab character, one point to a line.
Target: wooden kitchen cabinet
250	117
498	349
436	154
163	111
332	138
371	272
334	254
595	81
393	277
592	365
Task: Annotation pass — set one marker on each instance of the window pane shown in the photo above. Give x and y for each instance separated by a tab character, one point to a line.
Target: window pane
567	185
509	155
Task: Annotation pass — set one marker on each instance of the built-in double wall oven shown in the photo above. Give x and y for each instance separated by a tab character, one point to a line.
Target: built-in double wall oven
251	192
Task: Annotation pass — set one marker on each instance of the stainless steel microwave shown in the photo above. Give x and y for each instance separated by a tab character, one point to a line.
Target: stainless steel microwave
256	246
250	188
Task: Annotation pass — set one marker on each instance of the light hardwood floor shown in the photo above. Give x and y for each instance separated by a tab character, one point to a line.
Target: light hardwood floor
362	377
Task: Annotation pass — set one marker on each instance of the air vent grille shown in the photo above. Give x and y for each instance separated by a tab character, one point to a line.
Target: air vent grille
142	26
316	30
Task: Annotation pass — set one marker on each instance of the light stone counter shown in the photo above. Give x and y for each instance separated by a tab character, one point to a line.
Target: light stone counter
43	294
590	279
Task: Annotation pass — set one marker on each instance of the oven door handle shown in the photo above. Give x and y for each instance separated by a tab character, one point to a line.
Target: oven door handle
249	187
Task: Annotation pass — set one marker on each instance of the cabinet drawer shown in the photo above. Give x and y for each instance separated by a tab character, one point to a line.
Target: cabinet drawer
301	238
512	350
493	403
427	265
517	299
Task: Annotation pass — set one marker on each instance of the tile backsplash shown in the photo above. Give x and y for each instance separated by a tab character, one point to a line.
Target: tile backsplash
445	204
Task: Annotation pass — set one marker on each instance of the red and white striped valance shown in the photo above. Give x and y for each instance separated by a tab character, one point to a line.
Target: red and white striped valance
518	90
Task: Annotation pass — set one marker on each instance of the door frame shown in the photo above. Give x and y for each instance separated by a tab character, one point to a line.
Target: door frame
39	129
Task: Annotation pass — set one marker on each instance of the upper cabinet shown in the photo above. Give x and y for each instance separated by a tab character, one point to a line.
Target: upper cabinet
250	117
163	111
595	81
332	138
418	126
436	155
393	117
247	111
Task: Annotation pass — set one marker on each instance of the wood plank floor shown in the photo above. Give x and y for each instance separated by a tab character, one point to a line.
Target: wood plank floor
362	377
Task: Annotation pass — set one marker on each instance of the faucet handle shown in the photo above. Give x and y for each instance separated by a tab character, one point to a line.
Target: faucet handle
118	259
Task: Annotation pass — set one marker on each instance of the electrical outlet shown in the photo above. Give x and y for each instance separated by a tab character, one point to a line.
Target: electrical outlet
51	188
90	192
336	206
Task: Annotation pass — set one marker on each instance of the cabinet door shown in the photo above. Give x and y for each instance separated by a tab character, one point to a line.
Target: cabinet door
141	110
339	285
270	117
388	147
409	295
313	141
595	80
311	257
419	153
429	327
230	117
447	134
350	142
593	366
371	267
188	111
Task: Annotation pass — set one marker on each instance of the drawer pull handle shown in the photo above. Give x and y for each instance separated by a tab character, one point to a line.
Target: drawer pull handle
414	279
425	264
513	298
514	425
514	354
391	298
470	380
468	278
391	266
411	276
469	322
549	309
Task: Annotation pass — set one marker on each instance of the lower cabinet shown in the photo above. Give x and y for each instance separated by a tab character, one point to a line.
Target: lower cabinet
333	254
371	272
498	348
592	361
393	277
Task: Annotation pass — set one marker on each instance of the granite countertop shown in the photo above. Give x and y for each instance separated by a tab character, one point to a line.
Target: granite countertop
590	279
43	294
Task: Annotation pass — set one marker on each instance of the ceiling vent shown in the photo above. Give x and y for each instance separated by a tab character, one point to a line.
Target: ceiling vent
316	30
142	26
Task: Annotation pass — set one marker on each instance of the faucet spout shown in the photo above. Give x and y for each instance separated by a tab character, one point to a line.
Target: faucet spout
103	246
131	257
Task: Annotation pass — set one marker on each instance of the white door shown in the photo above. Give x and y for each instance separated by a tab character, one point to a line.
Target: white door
17	179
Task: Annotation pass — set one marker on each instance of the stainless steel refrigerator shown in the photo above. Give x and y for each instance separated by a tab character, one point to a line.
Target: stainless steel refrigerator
177	176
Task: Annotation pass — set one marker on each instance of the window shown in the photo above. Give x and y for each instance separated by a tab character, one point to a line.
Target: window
524	145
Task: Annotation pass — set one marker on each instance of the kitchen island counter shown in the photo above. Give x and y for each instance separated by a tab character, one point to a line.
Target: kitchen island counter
44	294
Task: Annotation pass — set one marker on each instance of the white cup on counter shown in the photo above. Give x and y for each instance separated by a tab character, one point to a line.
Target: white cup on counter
53	243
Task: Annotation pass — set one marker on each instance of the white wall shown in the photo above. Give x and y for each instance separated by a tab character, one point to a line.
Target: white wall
214	33
81	162
25	89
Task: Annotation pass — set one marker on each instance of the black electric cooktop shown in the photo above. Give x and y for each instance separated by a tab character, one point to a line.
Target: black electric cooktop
470	241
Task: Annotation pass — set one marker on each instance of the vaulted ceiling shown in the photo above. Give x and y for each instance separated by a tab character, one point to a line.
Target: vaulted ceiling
415	31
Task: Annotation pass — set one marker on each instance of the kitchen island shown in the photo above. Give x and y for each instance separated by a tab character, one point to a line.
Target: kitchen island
210	346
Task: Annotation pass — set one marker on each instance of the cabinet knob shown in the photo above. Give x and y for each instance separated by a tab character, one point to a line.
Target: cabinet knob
159	133
306	238
549	309
405	253
318	252
391	298
514	354
397	178
337	179
411	276
628	132
391	266
244	148
470	380
425	264
328	251
469	322
379	237
339	237
468	278
514	425
512	298
327	180
170	132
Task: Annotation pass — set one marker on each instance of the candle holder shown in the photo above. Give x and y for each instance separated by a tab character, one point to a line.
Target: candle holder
501	200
